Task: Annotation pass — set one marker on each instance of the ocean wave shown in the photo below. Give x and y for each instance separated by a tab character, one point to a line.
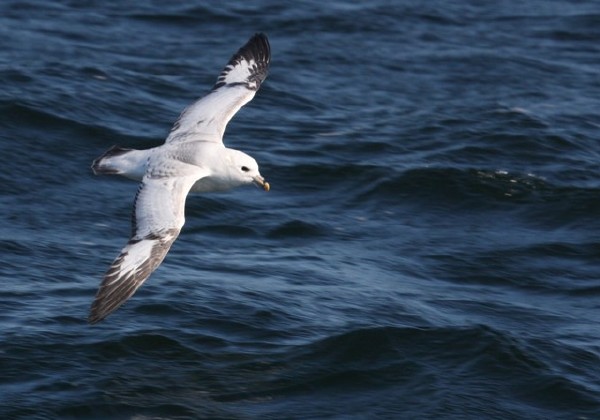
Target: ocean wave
397	363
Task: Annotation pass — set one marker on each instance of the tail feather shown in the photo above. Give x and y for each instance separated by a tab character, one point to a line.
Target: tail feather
99	165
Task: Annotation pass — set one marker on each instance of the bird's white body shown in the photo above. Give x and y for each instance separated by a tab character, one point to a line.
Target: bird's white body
221	165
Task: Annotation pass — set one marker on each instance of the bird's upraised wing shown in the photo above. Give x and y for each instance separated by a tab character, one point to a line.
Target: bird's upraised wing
236	85
158	216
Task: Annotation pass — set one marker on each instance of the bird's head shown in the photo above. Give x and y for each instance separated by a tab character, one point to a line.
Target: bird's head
244	169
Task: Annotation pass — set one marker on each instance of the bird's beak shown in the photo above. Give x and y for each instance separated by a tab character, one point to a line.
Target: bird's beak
259	180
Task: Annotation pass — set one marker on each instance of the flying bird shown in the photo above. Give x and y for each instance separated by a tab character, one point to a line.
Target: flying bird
192	159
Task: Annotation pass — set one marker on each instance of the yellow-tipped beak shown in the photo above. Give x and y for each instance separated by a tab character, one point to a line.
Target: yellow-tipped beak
261	181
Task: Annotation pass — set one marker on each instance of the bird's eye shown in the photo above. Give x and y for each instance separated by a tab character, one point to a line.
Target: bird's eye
245	169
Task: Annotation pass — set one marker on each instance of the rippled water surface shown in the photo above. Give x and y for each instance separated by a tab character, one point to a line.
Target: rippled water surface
429	249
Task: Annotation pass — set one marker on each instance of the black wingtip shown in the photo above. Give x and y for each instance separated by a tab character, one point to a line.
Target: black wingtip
260	42
95	315
94	319
257	48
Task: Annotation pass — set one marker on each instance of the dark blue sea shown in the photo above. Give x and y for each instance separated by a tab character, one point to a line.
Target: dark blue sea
429	249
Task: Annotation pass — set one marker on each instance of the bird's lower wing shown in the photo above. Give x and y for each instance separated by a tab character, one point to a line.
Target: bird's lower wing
135	263
157	219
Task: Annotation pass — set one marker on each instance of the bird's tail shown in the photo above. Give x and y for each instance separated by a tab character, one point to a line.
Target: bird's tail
117	160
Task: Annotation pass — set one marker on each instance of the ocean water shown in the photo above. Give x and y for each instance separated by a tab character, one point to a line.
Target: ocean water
429	248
